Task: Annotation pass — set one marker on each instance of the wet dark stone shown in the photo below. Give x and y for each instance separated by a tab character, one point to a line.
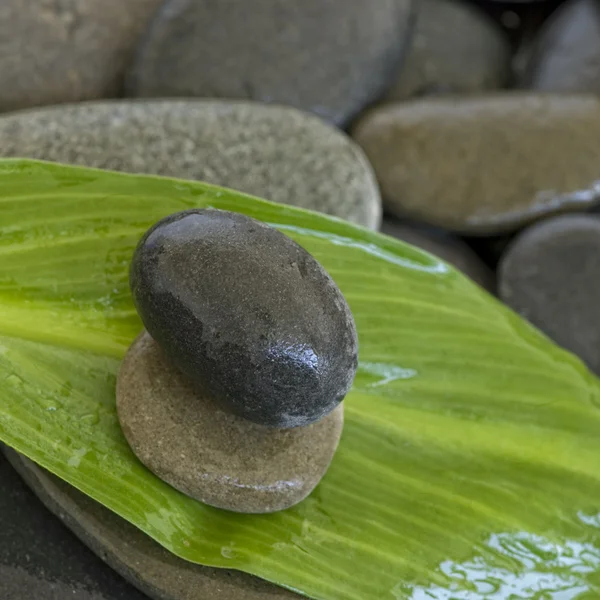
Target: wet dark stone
247	314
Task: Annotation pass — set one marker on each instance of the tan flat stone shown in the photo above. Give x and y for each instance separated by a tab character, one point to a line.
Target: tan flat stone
211	455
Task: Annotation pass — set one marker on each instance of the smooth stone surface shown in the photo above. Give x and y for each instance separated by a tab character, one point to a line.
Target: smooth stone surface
40	559
444	245
65	51
455	48
276	153
566	54
247	314
186	439
551	275
131	553
485	165
331	58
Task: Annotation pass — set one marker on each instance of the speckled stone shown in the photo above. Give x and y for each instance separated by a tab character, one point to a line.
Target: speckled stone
247	314
455	48
276	153
189	441
550	274
566	54
65	51
331	58
130	552
485	165
448	247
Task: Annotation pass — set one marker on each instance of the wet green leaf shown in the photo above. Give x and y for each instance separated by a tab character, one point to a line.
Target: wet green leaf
470	461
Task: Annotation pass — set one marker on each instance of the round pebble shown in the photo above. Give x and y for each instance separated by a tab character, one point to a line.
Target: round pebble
331	58
67	50
190	442
550	274
246	313
277	153
455	48
485	165
566	53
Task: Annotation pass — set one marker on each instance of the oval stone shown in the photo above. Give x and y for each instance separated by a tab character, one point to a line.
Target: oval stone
247	314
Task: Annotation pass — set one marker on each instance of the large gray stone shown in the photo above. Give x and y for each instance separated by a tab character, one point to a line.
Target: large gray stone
566	55
488	164
276	153
65	51
331	58
455	48
138	558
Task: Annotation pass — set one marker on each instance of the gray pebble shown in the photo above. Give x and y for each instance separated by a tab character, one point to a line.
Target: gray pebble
246	313
566	54
550	274
276	153
189	441
52	52
455	48
331	58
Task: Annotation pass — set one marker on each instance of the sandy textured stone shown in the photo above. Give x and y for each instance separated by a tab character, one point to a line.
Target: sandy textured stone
551	275
331	58
134	555
485	165
566	54
448	247
455	47
276	153
186	439
62	51
247	314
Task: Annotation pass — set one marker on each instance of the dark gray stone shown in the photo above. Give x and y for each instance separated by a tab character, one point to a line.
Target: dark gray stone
247	314
133	554
566	55
455	48
272	152
210	454
446	246
66	51
550	274
331	58
40	559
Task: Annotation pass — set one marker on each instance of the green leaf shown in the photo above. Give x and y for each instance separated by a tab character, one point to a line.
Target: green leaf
470	461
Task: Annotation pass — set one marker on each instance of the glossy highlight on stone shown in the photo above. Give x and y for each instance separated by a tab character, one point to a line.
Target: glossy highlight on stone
247	314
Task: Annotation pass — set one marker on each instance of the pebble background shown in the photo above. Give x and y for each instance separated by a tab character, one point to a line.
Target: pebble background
466	127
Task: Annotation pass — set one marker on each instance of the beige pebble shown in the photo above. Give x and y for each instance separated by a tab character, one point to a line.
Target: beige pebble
211	455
